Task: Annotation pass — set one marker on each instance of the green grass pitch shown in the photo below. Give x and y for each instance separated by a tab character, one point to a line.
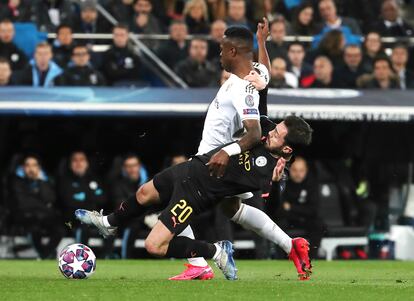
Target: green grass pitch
259	280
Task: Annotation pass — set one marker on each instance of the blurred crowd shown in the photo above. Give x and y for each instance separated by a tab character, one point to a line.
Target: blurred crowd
346	50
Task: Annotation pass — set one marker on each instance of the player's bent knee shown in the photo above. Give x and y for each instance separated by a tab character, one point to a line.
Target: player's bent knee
154	248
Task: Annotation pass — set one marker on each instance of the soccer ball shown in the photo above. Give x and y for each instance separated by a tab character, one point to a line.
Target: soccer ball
77	261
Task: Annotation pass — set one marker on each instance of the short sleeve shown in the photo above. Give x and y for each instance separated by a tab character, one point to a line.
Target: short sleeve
263	72
246	101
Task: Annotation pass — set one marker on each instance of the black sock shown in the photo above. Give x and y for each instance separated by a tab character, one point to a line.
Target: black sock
184	247
128	210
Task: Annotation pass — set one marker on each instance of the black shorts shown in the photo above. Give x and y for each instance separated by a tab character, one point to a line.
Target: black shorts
177	188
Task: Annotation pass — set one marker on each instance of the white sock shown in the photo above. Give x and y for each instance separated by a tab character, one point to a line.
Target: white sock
218	250
105	221
197	261
256	220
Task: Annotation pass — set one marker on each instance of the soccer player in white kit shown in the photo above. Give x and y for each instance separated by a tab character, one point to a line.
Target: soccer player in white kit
234	116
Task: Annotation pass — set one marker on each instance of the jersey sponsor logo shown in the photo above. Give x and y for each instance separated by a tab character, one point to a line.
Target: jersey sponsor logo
250	88
250	112
261	161
249	100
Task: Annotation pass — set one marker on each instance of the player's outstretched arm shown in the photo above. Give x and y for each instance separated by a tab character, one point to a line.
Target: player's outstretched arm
218	162
261	35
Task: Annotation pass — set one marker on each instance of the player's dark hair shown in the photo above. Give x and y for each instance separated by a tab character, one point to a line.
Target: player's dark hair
299	132
240	34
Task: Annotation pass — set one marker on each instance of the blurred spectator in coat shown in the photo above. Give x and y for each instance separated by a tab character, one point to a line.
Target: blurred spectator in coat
90	21
62	45
216	33
391	23
277	47
42	70
327	10
34	200
16	10
399	59
121	10
372	49
145	22
301	69
196	70
280	78
131	177
5	73
79	187
236	14
196	17
299	204
303	23
216	9
331	45
383	76
81	72
347	74
176	48
8	49
323	72
49	14
128	181
120	62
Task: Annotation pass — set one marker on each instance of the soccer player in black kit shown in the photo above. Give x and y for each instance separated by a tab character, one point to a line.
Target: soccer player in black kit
190	189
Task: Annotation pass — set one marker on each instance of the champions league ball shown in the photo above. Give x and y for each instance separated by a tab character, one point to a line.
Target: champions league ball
77	261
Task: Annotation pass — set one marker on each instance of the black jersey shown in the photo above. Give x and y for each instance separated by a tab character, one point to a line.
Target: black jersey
250	171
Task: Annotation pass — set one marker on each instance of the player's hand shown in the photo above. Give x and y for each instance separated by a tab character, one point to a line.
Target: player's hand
256	80
262	31
278	170
286	206
218	163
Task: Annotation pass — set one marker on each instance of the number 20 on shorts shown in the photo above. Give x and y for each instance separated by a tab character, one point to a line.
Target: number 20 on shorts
185	211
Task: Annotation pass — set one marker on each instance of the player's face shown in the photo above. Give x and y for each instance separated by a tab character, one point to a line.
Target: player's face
227	53
275	140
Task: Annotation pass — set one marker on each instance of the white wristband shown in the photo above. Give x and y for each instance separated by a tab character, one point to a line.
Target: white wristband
232	149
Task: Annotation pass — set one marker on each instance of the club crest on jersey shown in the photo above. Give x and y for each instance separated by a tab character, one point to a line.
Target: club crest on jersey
249	101
261	161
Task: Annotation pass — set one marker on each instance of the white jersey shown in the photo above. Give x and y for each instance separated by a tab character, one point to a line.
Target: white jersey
236	101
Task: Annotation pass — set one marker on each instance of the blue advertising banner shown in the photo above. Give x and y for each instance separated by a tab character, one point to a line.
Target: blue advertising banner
316	104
